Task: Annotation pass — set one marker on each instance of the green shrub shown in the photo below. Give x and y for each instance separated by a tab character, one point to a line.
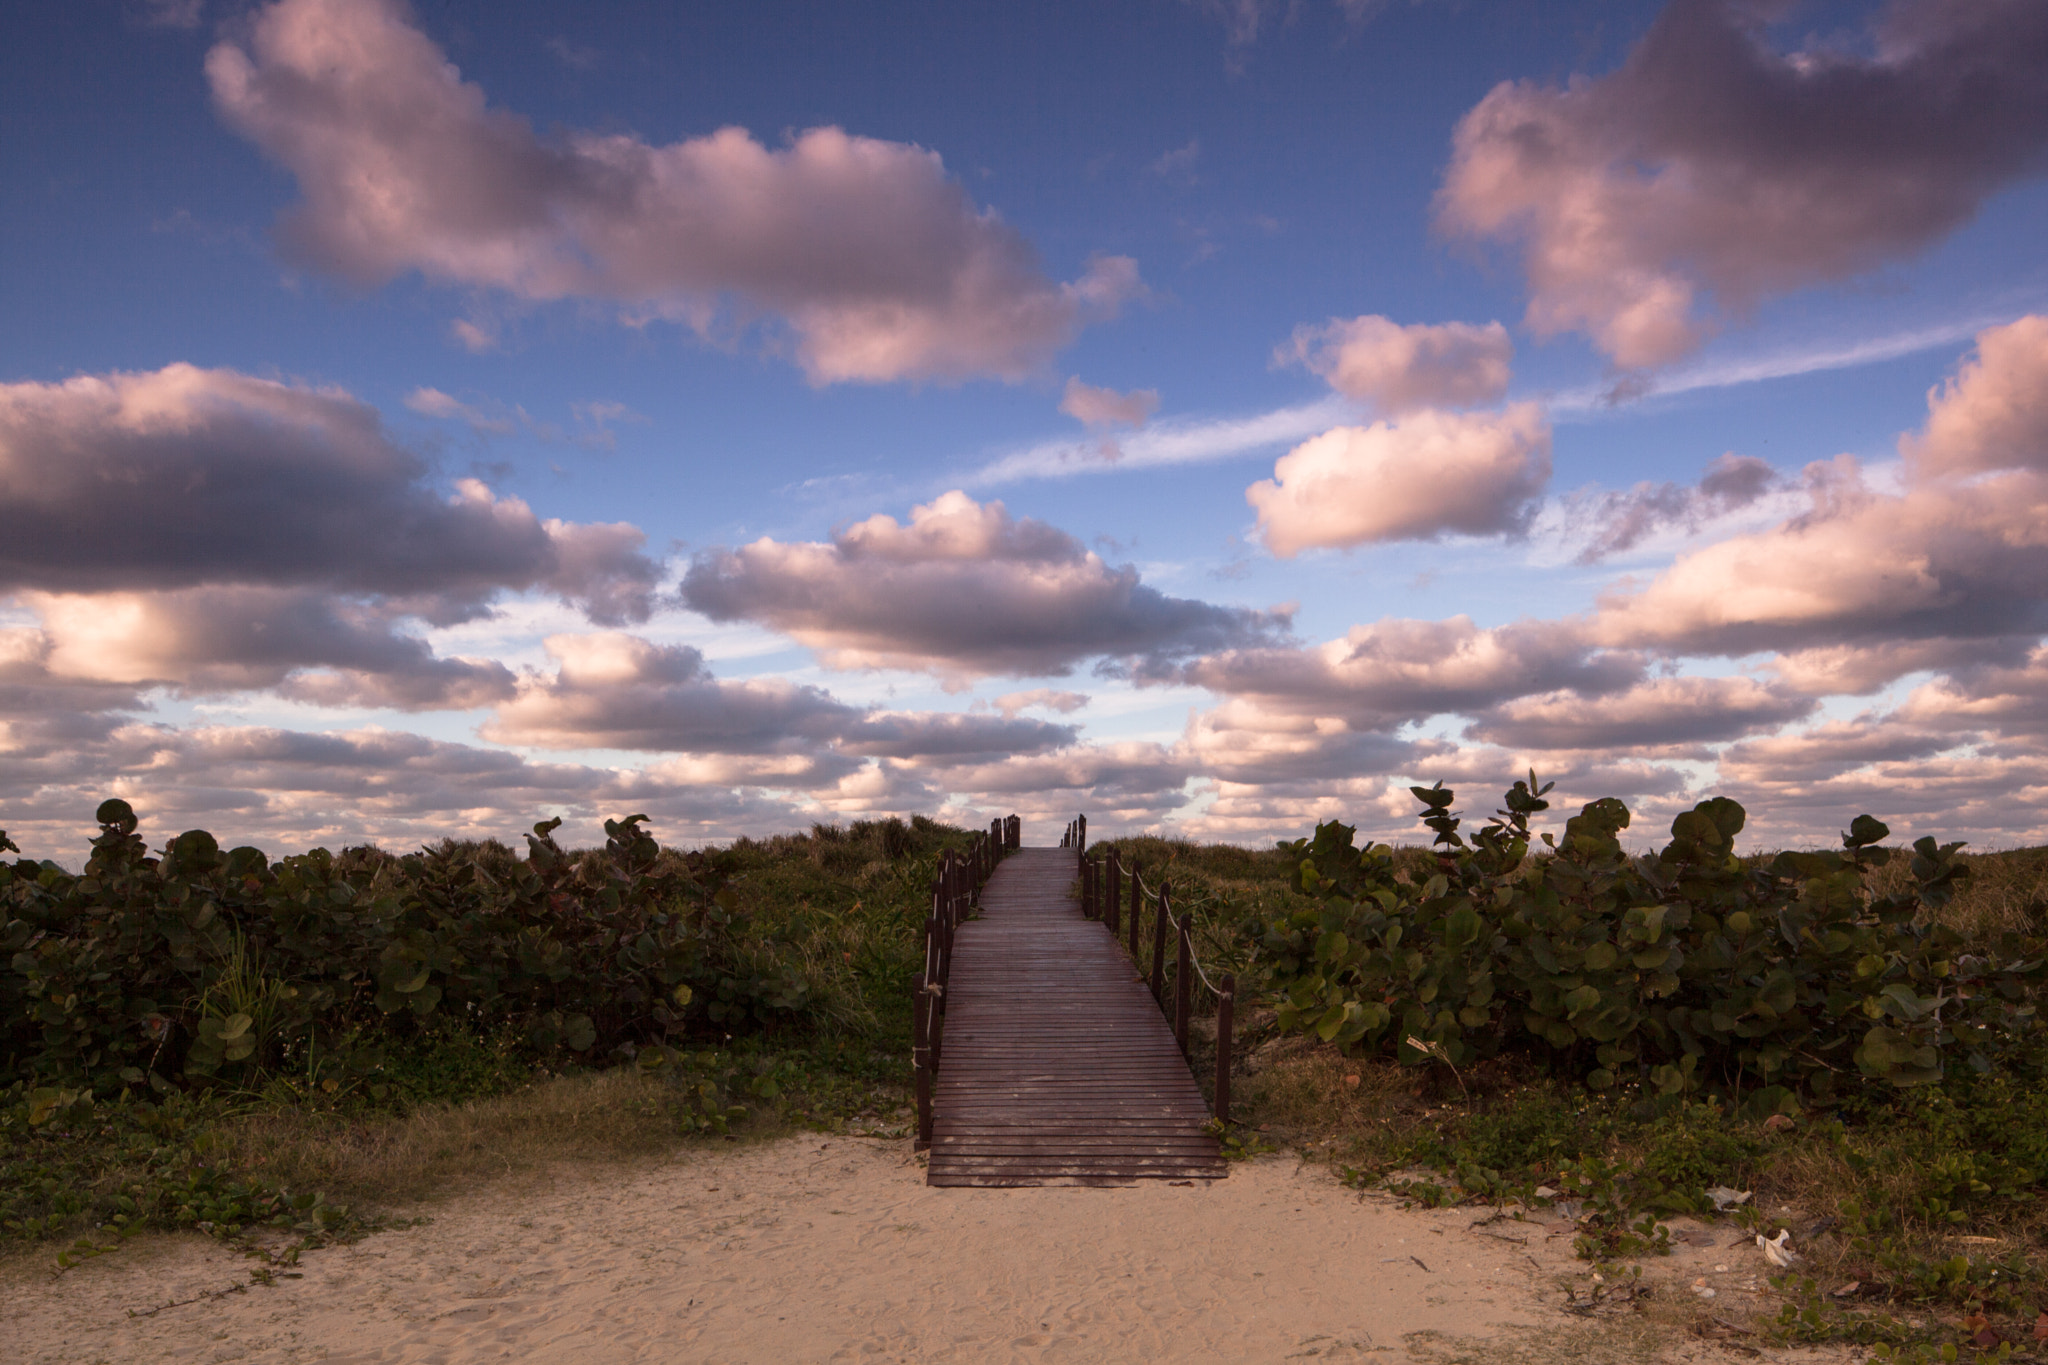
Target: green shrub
201	964
1681	970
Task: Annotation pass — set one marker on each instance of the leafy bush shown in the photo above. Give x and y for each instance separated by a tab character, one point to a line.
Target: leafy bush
196	964
1685	969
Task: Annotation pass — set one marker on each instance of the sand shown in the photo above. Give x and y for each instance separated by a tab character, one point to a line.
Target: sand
833	1249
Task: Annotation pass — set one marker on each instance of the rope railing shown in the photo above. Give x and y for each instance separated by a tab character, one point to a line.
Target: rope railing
956	884
1106	888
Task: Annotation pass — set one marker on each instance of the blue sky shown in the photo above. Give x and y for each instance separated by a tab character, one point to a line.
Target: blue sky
425	419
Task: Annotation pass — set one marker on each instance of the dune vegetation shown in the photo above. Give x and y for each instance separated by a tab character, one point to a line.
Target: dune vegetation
285	1052
1843	1044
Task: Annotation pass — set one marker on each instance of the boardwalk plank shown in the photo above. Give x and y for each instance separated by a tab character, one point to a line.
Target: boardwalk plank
1055	1066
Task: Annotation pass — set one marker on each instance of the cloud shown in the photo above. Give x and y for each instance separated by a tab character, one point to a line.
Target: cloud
942	738
880	265
1178	164
1710	164
573	55
1125	776
2007	698
181	477
443	407
1655	713
963	590
1066	703
1618	521
1864	567
616	691
1813	357
1400	369
39	708
1394	672
1993	413
1958	552
1915	777
474	337
1106	407
1241	20
1167	443
1252	742
288	790
1864	667
1433	474
304	643
173	13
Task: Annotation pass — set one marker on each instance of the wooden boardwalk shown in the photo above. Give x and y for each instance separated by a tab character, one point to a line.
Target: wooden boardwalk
1056	1067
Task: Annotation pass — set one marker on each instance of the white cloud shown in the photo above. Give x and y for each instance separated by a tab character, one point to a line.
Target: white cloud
1430	475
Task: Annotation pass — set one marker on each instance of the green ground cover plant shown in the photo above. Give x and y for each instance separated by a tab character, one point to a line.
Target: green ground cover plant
258	1049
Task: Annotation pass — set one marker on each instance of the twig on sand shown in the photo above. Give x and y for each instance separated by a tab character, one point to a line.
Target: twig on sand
180	1303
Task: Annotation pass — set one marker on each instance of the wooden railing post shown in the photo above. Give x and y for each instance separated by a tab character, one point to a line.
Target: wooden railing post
942	927
932	988
1183	982
1137	908
1109	906
1159	947
1225	1007
921	1060
1087	888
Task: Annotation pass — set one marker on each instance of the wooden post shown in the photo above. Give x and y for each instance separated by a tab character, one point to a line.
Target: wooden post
1183	973
921	1061
1110	913
1159	947
1225	1007
1087	888
942	925
1137	910
1081	828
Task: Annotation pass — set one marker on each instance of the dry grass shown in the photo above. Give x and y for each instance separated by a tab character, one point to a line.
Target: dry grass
383	1163
2007	891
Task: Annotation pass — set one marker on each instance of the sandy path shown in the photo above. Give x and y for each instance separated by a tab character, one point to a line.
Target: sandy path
833	1249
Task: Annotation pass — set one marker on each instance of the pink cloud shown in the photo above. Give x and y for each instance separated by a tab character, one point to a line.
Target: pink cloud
879	264
304	643
1046	698
1865	567
1710	164
1958	553
1395	671
1655	713
612	690
1106	407
1430	475
963	590
1993	413
1400	369
2007	699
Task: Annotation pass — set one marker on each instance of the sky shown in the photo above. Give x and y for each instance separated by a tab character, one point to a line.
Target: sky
1215	416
